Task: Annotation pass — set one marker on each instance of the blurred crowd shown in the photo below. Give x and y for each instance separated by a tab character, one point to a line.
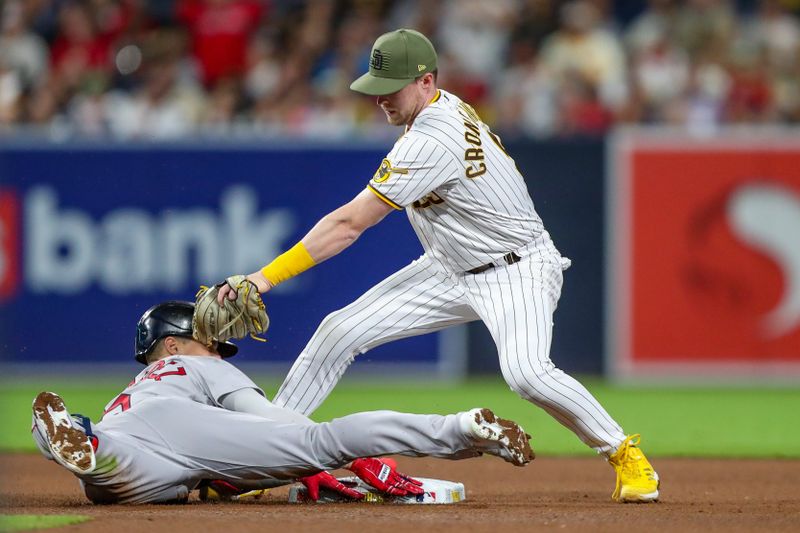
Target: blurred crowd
161	69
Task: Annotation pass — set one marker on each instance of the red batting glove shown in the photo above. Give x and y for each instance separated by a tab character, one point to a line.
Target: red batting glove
326	480
385	477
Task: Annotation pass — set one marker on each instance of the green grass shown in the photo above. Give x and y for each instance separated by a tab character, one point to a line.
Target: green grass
25	522
674	421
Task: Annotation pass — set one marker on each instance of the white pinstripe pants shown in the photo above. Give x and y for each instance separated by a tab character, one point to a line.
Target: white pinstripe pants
516	302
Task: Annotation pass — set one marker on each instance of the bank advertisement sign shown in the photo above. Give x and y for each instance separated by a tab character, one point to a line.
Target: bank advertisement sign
704	263
92	237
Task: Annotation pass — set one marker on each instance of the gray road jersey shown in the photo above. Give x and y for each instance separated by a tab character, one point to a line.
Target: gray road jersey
166	432
200	379
464	196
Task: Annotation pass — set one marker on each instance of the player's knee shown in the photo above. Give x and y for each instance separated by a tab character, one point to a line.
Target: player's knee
332	324
523	390
334	330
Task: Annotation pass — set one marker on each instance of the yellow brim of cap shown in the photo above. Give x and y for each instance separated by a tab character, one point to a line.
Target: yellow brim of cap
374	86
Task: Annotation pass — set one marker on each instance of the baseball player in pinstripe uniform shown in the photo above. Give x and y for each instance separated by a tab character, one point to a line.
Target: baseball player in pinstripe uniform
487	257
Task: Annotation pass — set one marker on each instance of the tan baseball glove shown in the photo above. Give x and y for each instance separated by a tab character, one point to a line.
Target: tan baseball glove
246	315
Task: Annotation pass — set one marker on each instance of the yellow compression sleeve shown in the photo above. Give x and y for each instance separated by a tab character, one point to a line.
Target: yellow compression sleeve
288	264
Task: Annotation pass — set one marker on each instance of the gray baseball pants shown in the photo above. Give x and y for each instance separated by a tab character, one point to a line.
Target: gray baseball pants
161	449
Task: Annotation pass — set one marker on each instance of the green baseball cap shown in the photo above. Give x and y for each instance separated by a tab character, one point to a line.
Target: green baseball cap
398	58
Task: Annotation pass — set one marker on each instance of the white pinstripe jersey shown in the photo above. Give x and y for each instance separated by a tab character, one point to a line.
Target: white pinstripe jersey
464	196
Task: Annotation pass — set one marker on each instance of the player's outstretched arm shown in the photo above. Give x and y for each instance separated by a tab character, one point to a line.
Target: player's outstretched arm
331	235
342	227
251	401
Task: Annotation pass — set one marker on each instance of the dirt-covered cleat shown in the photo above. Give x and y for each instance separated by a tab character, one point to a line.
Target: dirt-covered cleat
69	446
637	481
500	437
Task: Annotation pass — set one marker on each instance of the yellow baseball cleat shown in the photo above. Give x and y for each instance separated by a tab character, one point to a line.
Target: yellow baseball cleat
637	481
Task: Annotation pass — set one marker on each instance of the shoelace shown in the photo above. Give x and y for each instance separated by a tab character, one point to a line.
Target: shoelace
247	287
628	457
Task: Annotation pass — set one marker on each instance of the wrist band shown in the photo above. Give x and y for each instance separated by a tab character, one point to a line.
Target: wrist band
288	264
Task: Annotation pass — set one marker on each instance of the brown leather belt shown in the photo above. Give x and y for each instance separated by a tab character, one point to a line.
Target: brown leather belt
510	258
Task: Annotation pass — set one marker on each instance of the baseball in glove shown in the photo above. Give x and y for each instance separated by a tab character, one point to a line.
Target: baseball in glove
246	315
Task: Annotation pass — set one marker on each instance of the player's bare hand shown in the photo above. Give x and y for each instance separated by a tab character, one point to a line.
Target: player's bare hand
260	281
226	292
229	293
326	480
383	475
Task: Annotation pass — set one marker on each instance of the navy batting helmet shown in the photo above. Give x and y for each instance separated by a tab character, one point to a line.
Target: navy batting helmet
172	318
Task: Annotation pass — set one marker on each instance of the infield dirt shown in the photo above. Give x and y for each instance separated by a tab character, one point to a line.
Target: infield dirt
563	494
